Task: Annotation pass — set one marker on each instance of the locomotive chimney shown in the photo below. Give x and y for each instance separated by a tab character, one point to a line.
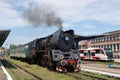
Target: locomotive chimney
61	27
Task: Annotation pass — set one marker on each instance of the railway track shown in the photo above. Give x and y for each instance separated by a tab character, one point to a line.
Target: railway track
82	76
76	76
16	66
93	62
98	62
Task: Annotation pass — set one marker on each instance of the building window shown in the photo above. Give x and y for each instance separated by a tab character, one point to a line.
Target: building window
111	46
114	47
99	46
96	40
117	37
100	39
104	46
106	38
96	46
107	45
92	41
110	37
114	37
118	47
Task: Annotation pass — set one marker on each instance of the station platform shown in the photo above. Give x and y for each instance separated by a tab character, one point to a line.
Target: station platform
102	69
4	75
117	60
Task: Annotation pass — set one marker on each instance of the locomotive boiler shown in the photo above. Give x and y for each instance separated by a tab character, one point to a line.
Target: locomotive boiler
55	51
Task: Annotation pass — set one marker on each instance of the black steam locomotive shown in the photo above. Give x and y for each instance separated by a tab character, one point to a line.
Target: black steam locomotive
55	51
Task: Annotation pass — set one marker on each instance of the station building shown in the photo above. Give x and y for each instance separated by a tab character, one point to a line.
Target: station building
110	40
2	51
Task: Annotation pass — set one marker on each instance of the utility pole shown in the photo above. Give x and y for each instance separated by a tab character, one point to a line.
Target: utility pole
6	50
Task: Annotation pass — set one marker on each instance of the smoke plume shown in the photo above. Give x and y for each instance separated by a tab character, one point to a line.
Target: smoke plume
41	15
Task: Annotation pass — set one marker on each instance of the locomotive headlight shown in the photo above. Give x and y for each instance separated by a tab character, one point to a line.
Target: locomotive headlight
63	63
76	56
67	38
61	57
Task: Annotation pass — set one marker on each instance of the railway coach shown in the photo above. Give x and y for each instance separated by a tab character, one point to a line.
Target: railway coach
104	54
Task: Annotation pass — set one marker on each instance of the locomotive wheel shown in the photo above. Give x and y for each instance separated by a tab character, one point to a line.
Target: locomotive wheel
31	61
46	62
50	65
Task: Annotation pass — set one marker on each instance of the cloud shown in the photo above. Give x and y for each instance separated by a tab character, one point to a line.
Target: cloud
84	16
106	11
88	26
9	17
71	11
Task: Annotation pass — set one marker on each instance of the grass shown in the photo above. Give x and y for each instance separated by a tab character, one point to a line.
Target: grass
51	75
84	77
43	72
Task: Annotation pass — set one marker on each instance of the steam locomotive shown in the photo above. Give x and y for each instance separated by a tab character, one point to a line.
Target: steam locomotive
56	51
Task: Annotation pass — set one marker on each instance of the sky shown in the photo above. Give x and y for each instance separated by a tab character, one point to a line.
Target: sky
85	17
